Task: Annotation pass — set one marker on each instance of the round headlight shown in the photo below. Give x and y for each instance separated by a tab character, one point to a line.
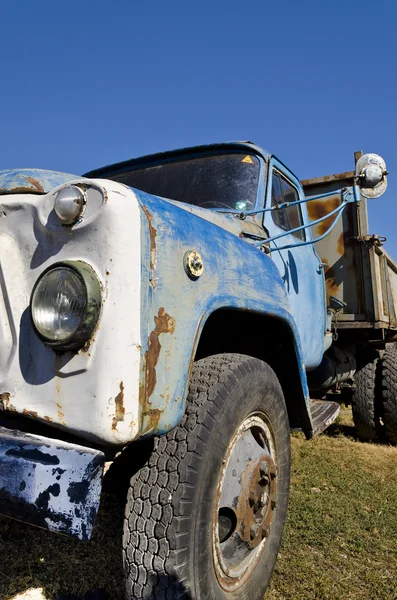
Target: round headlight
65	304
70	204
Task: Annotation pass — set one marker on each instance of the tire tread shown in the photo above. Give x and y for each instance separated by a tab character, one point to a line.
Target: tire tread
365	402
389	393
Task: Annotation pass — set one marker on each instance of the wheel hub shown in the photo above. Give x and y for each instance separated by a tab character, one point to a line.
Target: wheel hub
246	502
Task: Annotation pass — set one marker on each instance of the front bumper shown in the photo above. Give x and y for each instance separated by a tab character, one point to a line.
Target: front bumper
49	483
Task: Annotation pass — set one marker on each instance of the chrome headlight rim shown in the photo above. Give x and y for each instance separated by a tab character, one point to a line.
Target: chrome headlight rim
89	321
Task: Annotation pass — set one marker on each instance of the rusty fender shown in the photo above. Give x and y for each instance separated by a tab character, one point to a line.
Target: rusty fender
49	483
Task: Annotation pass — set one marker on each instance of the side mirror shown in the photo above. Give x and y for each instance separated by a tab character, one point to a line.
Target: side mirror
371	175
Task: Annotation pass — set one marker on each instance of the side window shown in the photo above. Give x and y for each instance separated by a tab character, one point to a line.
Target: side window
286	218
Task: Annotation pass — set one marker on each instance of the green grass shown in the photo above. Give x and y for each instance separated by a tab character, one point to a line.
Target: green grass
339	542
340	538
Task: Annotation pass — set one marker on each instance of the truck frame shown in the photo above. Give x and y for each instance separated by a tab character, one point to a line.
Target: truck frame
174	310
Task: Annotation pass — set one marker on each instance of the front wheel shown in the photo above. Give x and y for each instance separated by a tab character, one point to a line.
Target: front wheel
205	515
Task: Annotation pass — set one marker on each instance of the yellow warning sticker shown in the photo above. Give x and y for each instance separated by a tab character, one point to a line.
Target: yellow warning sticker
248	159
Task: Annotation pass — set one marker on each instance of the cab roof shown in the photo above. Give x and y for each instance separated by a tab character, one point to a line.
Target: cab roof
248	147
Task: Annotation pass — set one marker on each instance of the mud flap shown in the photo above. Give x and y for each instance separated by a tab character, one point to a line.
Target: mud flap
50	483
324	414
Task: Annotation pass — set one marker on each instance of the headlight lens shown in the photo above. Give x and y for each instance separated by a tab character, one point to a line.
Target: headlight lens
65	304
58	304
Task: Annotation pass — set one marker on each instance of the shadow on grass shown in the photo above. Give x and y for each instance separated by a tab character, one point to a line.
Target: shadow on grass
341	430
66	569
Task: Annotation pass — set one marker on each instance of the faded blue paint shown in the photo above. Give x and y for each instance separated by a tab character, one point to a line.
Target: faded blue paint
31	181
299	267
236	275
289	286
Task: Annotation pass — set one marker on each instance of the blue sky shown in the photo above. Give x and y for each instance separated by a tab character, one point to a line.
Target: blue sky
90	83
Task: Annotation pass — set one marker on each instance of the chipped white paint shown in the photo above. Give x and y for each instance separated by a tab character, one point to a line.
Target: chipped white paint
61	482
76	391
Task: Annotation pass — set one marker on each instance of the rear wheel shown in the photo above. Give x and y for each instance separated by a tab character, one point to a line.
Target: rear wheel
389	393
205	515
366	401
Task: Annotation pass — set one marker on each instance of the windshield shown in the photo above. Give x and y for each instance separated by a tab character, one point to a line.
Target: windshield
228	181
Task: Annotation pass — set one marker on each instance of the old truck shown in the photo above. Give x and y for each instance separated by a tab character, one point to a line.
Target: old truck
187	308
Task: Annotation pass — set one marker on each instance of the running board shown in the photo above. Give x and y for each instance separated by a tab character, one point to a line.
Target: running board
324	414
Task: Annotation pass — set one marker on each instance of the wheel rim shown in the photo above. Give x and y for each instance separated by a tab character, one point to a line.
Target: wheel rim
245	502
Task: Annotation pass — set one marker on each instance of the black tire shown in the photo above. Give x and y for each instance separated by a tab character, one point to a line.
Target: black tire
389	393
168	540
366	400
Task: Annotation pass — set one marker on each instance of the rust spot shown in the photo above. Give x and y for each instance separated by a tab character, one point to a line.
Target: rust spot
120	410
5	399
29	413
327	178
61	416
36	184
19	190
153	234
154	416
340	244
86	346
163	324
249	511
48	418
330	283
320	208
107	273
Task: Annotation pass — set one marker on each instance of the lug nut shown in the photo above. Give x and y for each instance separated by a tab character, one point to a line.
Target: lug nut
264	468
254	531
265	532
264	499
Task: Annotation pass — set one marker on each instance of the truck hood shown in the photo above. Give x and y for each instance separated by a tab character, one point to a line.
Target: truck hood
247	228
31	181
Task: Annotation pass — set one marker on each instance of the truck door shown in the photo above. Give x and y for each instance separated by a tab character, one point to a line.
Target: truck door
299	266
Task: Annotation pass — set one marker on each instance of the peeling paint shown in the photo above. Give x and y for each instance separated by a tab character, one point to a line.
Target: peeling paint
320	208
36	184
153	234
61	415
30	413
50	483
119	407
340	244
164	323
5	400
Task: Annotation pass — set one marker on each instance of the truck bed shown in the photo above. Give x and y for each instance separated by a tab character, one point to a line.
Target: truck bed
358	270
